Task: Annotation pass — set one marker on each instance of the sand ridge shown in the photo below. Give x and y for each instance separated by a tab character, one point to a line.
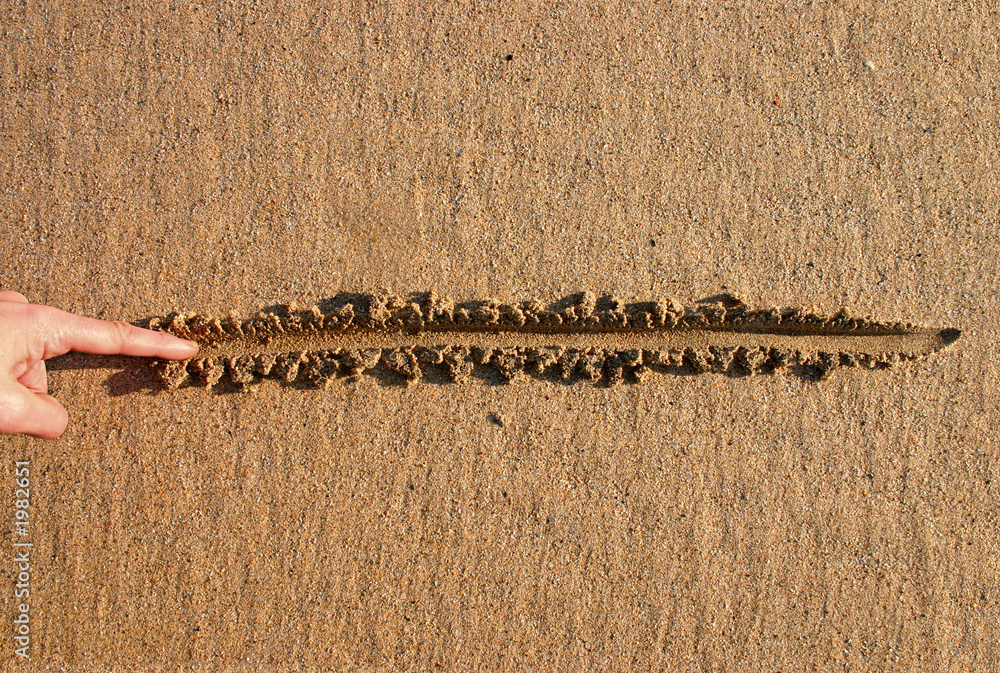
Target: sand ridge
581	337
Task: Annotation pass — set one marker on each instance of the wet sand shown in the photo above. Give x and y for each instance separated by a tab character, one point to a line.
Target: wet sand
212	159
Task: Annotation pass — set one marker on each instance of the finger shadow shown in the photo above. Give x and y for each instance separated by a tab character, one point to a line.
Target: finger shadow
131	375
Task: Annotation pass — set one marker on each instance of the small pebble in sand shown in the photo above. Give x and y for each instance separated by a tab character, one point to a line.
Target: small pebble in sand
868	64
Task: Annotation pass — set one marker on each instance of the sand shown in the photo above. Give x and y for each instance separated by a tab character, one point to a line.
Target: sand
217	160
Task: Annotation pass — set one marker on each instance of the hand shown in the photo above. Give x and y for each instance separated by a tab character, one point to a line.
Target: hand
30	334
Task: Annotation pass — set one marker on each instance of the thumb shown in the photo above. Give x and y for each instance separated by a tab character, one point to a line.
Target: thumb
35	414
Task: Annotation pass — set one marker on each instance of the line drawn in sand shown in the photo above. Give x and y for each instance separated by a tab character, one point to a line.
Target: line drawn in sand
422	336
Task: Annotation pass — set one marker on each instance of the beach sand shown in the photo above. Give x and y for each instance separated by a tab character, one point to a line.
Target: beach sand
221	160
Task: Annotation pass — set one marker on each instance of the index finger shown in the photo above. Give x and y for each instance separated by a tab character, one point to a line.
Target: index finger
88	335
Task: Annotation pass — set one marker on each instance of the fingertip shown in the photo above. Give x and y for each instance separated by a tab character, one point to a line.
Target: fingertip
179	349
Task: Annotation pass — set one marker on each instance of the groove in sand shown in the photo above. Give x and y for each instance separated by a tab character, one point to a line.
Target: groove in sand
581	337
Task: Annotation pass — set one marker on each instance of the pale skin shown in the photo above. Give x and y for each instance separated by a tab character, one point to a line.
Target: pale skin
30	334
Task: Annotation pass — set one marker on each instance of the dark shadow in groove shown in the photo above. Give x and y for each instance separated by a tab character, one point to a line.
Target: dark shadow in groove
949	336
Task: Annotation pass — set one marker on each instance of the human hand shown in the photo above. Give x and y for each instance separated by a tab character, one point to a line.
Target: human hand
30	334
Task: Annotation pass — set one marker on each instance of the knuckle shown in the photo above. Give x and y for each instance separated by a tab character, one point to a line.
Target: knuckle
39	322
124	332
36	314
